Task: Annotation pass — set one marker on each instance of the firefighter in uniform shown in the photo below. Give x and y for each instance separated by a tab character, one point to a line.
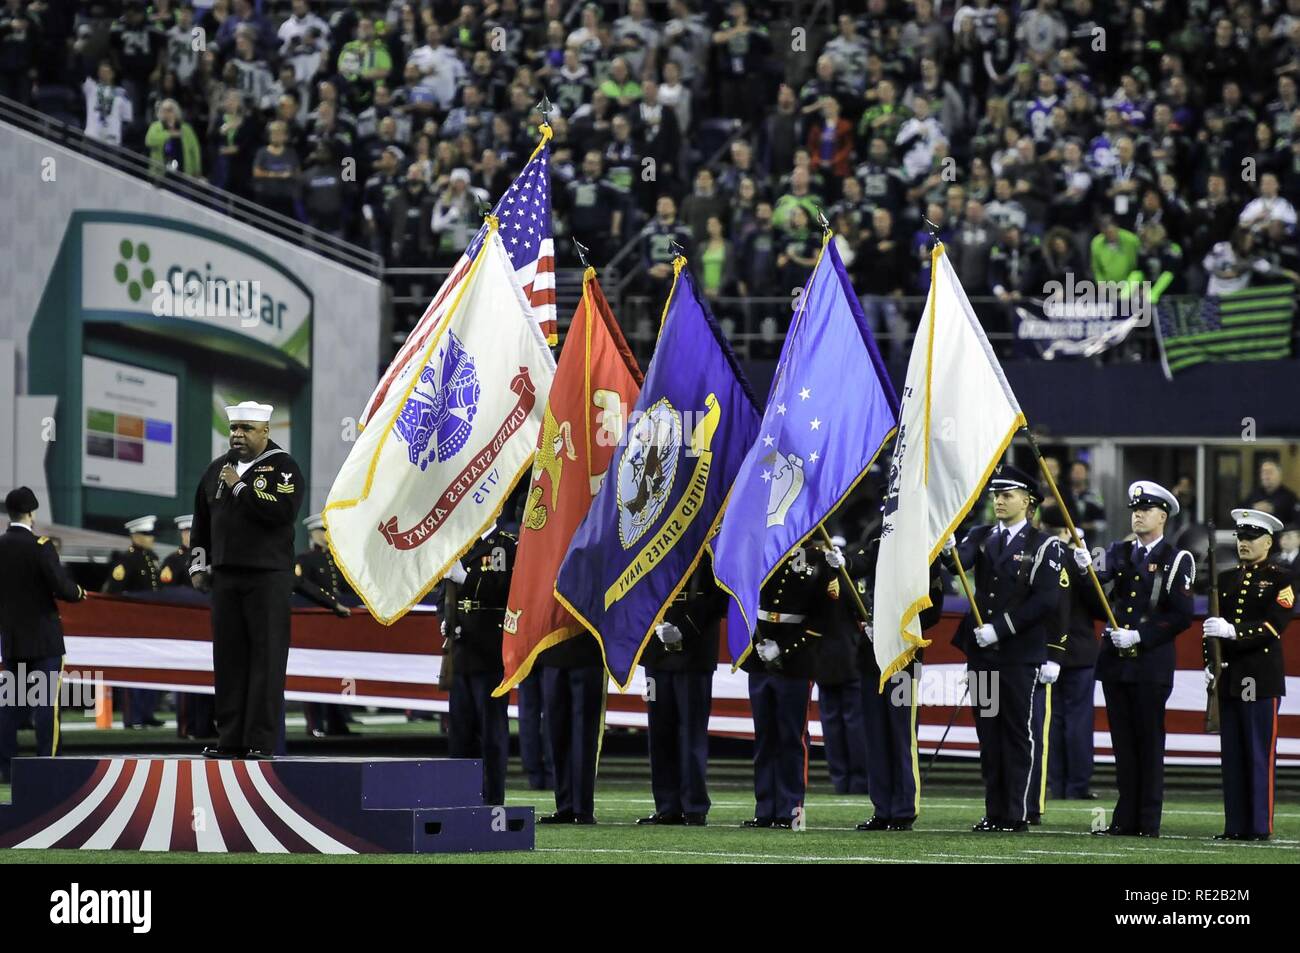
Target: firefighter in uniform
893	769
31	635
479	723
1018	578
195	715
1256	600
1151	596
245	509
679	660
137	570
317	578
780	662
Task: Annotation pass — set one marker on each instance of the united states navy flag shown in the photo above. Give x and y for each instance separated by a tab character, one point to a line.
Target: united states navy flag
666	487
831	411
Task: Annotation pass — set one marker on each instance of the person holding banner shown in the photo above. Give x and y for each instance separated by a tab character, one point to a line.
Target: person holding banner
1151	596
679	665
1258	598
1014	614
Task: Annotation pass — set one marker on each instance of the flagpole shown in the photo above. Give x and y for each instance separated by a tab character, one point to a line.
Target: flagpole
1069	523
965	585
844	574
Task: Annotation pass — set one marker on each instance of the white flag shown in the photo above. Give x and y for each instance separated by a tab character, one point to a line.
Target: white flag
957	418
443	452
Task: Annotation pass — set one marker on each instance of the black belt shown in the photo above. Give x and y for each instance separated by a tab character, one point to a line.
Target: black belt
473	605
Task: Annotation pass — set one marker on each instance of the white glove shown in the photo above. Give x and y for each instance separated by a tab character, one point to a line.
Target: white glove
1216	627
835	558
985	636
456	573
668	634
1049	672
442	627
768	650
868	631
1082	558
1124	638
1209	677
949	545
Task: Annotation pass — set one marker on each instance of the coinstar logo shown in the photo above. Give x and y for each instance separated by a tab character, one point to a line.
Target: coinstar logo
130	255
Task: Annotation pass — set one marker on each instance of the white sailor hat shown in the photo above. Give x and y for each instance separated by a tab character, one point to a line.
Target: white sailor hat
1256	519
249	410
184	522
143	524
315	521
1146	494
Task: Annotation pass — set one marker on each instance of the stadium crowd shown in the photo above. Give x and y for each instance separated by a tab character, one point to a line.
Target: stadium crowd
1156	141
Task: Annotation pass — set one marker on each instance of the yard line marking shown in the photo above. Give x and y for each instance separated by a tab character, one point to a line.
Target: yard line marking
727	854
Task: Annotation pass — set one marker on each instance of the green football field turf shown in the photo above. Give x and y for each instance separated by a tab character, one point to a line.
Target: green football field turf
950	803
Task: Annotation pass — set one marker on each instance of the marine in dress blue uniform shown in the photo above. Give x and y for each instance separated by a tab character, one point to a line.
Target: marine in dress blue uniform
893	770
137	570
479	723
317	577
573	698
1070	754
195	714
1151	596
780	664
1019	578
839	686
31	634
1256	600
679	663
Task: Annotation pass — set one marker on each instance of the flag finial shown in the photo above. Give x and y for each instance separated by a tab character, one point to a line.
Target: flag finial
581	249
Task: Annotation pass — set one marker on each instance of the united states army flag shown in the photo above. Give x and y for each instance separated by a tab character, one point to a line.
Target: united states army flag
957	418
443	453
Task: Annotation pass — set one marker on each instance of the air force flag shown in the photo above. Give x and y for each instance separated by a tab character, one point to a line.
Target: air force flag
831	411
666	485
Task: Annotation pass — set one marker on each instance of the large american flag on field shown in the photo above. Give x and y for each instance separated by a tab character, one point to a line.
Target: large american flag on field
524	213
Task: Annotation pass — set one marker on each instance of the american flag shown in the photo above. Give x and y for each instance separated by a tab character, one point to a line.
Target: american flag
524	214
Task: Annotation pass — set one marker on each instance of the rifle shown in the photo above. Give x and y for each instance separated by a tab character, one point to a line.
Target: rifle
1213	648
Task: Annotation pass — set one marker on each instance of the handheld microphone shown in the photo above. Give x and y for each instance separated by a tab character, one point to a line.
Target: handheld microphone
232	457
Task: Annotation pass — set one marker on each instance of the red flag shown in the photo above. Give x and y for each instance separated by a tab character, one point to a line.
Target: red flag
596	384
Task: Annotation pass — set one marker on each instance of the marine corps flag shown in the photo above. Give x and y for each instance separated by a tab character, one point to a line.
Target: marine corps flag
692	425
957	419
596	381
434	469
831	411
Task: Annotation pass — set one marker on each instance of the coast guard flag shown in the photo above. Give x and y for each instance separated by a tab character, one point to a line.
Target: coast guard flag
525	216
957	419
831	410
692	425
596	381
424	482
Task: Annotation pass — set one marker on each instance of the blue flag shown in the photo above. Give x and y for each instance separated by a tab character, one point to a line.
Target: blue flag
831	410
666	486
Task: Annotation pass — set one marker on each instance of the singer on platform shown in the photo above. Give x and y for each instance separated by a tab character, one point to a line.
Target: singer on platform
242	552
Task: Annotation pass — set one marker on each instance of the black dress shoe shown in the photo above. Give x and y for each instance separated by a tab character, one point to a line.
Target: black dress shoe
662	820
1226	836
216	751
1151	834
1085	796
902	824
984	826
783	823
559	817
1017	827
691	819
757	822
1256	836
584	819
874	823
317	732
1036	820
257	754
1114	831
151	723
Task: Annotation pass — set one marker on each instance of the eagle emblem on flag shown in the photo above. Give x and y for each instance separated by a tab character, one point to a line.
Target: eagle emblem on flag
647	470
443	414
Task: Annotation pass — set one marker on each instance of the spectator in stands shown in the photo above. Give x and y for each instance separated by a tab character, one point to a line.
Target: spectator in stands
619	85
254	77
171	141
18	51
304	38
324	192
755	269
741	47
362	63
661	241
137	47
409	217
1271	495
456	216
1113	252
703	204
798	253
657	133
1013	269
108	108
716	261
676	96
440	69
276	173
800	195
593	205
1231	264
1269	207
971	244
830	141
879	274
